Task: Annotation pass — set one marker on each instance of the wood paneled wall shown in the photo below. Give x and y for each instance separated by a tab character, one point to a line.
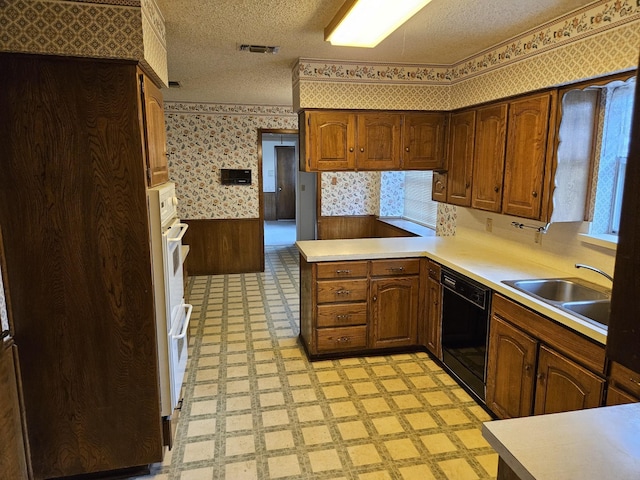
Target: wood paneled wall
270	206
225	246
365	226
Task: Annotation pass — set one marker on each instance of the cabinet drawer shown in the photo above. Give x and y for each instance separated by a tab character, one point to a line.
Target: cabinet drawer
434	270
625	378
339	291
342	270
341	315
401	266
344	338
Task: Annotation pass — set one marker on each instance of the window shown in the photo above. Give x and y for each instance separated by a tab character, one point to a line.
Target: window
408	195
616	133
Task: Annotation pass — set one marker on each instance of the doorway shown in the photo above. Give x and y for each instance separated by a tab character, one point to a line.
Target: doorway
278	153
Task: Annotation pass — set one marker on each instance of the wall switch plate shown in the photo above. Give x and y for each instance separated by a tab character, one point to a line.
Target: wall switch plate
489	225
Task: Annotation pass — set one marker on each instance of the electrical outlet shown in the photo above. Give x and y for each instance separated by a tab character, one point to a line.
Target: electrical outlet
489	225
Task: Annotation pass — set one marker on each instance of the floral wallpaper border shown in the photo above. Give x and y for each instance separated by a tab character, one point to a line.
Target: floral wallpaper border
187	107
589	20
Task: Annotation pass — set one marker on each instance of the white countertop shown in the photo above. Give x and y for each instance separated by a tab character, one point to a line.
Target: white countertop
593	444
476	261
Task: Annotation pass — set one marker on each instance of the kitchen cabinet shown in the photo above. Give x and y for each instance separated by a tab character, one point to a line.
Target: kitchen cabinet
433	320
423	137
537	366
526	155
340	140
357	306
624	385
488	159
153	130
14	461
73	191
460	161
394	303
378	141
439	187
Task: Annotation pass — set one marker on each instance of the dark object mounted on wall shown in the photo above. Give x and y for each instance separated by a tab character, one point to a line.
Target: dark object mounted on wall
235	177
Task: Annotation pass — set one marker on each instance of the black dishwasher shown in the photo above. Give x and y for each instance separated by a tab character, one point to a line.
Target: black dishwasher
465	327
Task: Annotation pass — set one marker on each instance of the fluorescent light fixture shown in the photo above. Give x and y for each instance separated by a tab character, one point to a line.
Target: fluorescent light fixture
365	23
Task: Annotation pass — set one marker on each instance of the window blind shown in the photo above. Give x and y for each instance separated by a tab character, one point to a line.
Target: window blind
418	206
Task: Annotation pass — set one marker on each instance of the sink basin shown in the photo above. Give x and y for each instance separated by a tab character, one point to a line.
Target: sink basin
560	290
597	311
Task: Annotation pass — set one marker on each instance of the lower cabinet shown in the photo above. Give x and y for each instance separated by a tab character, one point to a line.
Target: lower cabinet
624	385
432	321
359	305
536	366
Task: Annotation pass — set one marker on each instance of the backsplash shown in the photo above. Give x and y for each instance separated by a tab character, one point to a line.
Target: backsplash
391	194
350	193
202	139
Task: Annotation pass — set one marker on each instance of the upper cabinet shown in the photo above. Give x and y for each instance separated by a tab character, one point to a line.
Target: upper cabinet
527	134
154	134
460	158
423	137
488	159
338	140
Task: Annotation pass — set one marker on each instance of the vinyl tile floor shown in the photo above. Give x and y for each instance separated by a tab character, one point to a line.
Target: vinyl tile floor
256	408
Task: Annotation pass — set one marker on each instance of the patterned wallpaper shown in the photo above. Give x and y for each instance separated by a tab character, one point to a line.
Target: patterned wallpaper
123	29
600	38
391	194
351	193
202	139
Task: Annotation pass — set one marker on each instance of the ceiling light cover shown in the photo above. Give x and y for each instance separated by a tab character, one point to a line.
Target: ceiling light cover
365	23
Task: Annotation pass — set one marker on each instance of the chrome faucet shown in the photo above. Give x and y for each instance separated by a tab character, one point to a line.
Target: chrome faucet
597	270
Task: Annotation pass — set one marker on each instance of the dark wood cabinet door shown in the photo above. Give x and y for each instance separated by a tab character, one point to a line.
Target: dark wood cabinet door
433	331
488	160
615	396
331	141
439	187
511	364
394	311
460	172
423	141
527	132
13	460
155	136
378	144
562	385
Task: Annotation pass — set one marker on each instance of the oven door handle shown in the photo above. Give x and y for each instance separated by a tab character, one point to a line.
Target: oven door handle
183	333
183	230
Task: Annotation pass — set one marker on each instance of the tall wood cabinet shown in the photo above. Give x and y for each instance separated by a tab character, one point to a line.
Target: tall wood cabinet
73	210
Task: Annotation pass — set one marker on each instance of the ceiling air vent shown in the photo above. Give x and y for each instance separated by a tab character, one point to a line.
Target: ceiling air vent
174	84
259	49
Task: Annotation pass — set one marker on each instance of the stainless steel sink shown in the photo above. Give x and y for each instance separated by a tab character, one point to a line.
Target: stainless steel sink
597	310
560	289
573	295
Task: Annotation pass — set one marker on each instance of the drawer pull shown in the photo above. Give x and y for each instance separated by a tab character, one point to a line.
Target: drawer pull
396	269
346	316
343	340
343	272
343	292
636	382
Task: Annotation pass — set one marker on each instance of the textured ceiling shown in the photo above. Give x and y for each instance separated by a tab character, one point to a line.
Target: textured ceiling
203	38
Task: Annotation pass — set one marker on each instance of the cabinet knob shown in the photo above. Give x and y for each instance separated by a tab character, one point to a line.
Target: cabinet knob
540	377
496	189
527	368
375	298
406	149
467	185
535	194
351	149
362	149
